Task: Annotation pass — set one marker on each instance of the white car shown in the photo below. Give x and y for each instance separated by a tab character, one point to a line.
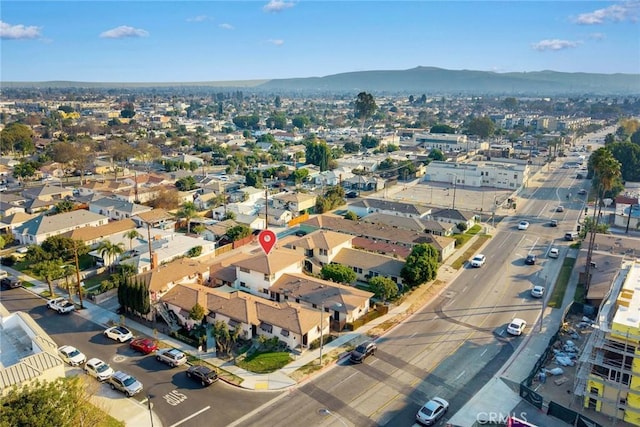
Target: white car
478	260
516	327
537	291
98	369
71	355
554	253
432	411
523	225
61	305
53	302
118	333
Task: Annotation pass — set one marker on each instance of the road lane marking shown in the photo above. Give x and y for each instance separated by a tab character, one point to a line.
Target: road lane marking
483	353
195	414
461	374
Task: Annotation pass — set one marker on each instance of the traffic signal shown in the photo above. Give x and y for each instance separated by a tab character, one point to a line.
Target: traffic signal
586	209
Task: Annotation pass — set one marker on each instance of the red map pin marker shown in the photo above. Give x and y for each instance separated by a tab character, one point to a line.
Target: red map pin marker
267	240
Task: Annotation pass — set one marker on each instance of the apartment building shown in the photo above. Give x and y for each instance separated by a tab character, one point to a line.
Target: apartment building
479	174
608	376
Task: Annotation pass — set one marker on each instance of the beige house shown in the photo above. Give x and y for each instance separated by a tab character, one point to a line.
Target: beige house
181	271
295	325
257	273
320	248
294	202
36	230
367	265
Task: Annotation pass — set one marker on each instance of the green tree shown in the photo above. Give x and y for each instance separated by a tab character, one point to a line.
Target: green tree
64	206
369	141
16	137
276	121
62	247
301	122
63	402
194	252
188	211
131	235
277	102
254	179
225	338
442	128
351	147
48	271
238	232
481	126
299	175
109	252
365	105
187	183
351	215
383	287
24	170
318	153
436	154
197	313
421	265
128	111
338	273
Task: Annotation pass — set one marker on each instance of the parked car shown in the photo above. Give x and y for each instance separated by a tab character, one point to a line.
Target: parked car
582	192
11	282
125	383
98	369
516	327
560	209
478	260
523	225
553	223
63	306
204	375
53	302
530	259
432	411
554	253
537	291
71	355
364	350
171	357
144	345
572	235
118	333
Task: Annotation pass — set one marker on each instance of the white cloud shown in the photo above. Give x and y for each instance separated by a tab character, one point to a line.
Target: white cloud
124	31
597	36
18	32
277	6
625	11
554	44
199	18
277	42
227	26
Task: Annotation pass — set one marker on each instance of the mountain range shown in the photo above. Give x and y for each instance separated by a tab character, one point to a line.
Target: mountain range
419	80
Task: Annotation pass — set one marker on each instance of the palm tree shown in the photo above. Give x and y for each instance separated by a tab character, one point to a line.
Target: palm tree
108	251
132	234
49	270
188	212
68	270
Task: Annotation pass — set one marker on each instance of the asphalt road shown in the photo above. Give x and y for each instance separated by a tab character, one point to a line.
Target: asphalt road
176	399
456	343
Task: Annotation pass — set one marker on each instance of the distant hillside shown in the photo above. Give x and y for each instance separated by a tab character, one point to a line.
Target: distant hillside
416	81
436	80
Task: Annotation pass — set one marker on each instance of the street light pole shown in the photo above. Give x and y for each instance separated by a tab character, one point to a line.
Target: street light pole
544	298
321	330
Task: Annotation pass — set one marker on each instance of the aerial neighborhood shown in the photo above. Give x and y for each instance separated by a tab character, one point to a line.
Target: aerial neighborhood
157	206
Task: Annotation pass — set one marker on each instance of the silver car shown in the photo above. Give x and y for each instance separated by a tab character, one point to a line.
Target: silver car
125	383
98	369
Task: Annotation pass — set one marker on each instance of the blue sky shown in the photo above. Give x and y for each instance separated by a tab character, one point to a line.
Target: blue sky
190	41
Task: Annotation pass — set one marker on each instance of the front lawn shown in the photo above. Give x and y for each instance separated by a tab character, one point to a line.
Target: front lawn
265	362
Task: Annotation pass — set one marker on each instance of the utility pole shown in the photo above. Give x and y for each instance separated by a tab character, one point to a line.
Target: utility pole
75	254
266	208
150	247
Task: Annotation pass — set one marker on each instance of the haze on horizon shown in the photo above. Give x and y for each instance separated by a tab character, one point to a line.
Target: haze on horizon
169	41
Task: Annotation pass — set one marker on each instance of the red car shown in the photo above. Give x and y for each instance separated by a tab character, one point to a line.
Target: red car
144	345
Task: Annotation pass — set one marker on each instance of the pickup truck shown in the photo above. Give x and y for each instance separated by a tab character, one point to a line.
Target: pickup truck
61	305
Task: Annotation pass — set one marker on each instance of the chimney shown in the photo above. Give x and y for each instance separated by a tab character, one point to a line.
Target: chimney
154	260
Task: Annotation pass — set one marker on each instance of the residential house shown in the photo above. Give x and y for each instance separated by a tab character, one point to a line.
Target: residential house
506	175
295	325
333	177
367	265
162	278
276	216
364	183
11	222
117	209
319	248
43	198
295	202
36	230
257	273
93	235
344	303
155	218
364	207
422	225
215	231
455	216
